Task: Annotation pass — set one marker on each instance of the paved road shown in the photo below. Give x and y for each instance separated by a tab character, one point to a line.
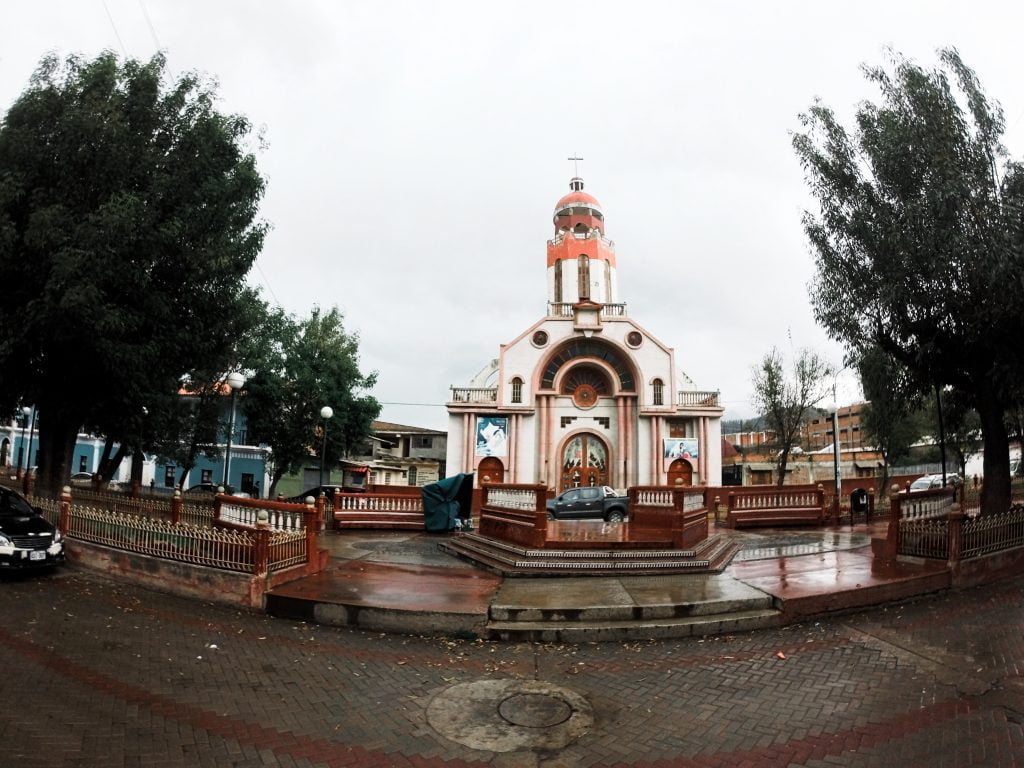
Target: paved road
98	673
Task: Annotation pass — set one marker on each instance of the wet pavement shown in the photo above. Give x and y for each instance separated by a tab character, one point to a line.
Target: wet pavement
403	582
98	673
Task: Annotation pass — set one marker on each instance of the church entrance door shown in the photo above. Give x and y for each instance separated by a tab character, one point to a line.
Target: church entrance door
491	470
680	472
584	462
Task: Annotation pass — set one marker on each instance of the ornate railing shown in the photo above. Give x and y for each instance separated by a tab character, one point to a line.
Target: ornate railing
524	499
778	498
286	549
377	502
474	395
143	506
677	514
924	505
278	515
49	507
694	398
559	309
225	549
613	310
925	537
993	533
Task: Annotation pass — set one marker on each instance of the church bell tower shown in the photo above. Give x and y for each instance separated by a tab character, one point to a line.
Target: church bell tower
581	260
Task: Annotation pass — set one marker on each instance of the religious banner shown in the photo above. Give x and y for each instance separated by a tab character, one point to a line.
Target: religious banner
681	448
492	436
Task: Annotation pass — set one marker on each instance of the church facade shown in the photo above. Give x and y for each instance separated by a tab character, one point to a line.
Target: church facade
584	396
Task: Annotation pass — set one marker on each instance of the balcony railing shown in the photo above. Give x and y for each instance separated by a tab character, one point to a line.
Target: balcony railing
694	398
564	309
474	395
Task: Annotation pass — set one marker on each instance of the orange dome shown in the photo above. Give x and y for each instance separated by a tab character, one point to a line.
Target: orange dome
577	198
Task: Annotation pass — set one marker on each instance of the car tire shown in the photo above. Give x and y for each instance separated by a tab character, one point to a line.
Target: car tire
615	516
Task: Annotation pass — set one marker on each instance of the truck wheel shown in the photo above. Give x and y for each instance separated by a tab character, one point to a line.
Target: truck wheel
615	516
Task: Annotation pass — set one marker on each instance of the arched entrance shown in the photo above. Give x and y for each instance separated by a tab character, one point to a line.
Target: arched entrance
680	472
491	470
584	462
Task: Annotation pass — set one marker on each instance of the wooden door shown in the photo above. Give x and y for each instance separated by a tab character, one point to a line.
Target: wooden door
680	472
490	470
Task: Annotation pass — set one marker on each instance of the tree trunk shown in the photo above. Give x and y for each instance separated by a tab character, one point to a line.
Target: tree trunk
783	461
995	492
57	437
272	492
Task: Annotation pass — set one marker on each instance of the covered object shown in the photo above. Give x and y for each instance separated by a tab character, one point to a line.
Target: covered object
448	503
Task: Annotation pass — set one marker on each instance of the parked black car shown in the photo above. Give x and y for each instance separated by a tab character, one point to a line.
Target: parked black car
27	540
591	502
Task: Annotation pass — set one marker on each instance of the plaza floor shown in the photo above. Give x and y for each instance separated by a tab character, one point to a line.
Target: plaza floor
102	673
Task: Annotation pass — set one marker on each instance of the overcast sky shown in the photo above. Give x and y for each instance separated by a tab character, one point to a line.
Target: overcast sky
415	150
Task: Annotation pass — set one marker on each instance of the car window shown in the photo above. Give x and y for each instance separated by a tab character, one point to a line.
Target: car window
571	496
11	504
589	494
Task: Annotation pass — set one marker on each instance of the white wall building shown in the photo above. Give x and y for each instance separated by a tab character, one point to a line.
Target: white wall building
585	396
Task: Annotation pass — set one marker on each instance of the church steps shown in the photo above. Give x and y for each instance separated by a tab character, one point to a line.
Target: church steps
710	555
598	630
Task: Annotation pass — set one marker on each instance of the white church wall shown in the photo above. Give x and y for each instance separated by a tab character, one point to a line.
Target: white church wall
456	444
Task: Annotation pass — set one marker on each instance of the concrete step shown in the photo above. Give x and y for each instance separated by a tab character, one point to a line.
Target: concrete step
609	630
629	612
712	554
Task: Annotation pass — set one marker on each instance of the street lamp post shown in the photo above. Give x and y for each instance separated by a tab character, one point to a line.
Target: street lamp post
236	381
25	411
325	413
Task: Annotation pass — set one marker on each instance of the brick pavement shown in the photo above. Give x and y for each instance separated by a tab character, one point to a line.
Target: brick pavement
98	673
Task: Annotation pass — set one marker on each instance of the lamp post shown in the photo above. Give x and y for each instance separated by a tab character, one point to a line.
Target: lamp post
835	442
325	413
25	411
236	381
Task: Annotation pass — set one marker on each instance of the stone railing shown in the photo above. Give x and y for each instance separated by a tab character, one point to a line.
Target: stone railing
772	505
693	398
474	395
680	515
514	513
511	497
377	502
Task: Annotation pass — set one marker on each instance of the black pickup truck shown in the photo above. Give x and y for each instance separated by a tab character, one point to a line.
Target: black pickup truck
597	502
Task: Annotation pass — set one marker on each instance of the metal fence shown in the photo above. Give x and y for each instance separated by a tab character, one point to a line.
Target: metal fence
993	533
227	550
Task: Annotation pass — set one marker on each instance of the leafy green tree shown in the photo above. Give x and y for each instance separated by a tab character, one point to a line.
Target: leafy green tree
128	221
919	244
889	418
314	363
785	400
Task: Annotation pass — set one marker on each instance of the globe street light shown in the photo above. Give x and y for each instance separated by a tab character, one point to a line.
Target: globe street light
325	413
235	381
25	411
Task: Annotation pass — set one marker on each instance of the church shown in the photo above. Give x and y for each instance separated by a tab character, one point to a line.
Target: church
586	395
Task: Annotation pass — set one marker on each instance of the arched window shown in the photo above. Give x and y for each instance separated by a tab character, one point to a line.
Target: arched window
659	392
584	267
558	281
517	390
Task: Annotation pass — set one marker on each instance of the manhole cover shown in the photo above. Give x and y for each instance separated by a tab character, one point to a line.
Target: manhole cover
510	715
534	710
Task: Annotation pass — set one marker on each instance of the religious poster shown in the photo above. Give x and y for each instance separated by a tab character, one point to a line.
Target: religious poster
680	448
492	436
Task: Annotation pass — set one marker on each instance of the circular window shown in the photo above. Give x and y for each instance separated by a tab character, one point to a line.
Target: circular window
540	338
585	396
634	338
